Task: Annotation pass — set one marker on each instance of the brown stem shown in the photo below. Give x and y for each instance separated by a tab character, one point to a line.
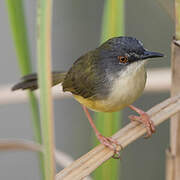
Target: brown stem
173	170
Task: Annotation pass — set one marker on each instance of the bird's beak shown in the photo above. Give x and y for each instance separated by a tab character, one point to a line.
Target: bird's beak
149	54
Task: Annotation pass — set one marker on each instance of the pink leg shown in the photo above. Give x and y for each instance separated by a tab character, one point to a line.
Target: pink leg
107	141
143	118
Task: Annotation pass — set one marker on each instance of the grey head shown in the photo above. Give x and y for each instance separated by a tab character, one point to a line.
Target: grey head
115	56
127	49
117	53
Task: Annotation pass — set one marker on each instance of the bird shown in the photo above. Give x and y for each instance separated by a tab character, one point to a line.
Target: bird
106	79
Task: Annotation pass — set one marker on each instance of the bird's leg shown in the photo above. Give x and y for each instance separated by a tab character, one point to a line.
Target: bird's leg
144	119
107	141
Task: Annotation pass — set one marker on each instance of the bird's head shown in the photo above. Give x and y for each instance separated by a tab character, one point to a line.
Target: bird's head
126	50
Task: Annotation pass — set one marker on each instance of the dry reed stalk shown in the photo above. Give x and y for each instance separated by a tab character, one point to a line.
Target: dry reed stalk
173	154
93	159
19	144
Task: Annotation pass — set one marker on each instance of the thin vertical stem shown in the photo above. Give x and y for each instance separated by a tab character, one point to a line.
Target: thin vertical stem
177	14
44	75
173	155
20	37
175	120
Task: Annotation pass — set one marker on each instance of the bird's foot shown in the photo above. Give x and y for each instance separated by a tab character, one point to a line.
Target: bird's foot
144	119
112	144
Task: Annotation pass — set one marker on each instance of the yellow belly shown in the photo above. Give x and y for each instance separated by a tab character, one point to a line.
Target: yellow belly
124	92
95	105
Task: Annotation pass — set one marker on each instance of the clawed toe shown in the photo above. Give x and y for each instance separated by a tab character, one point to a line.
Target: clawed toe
144	119
112	144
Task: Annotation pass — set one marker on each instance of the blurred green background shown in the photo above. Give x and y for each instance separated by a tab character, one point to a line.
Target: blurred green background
77	29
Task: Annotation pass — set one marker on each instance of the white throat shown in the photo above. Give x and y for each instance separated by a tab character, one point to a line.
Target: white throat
127	87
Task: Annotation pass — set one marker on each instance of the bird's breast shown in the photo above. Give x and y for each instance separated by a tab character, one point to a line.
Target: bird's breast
126	87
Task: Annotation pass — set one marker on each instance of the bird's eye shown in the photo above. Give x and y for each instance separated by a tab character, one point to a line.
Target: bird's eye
123	59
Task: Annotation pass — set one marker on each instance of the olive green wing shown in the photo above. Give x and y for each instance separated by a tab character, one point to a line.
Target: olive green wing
82	77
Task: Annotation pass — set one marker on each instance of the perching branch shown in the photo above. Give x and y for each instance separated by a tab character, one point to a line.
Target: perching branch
93	159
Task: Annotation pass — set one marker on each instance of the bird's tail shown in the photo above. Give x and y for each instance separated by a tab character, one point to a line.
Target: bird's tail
30	81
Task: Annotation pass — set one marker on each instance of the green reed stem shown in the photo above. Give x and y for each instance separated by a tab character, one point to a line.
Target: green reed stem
20	37
44	13
109	123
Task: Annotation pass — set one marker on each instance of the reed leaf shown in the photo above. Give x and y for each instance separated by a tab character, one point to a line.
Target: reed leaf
19	33
109	123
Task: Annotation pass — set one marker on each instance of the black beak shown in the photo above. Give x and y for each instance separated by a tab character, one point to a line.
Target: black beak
149	54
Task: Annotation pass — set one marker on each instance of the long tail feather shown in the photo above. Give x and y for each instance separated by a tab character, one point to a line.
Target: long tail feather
30	81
